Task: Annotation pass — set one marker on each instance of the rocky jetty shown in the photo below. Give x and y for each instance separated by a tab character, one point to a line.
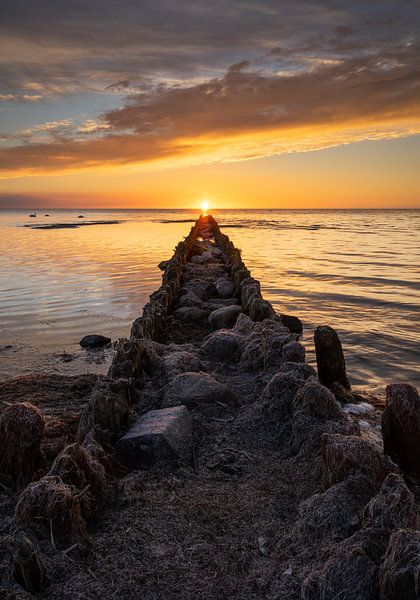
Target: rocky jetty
212	461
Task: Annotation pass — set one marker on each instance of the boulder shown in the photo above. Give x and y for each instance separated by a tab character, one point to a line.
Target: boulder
260	309
159	435
294	352
181	361
224	317
294	324
225	288
300	370
203	289
330	357
400	570
222	346
346	455
401	427
280	392
94	341
195	389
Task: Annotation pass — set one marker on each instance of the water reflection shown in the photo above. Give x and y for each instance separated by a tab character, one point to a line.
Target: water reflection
354	270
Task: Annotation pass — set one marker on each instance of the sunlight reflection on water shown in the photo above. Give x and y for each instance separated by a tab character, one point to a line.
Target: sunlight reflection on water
354	270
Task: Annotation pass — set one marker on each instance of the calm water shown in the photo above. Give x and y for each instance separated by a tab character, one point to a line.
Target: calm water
354	270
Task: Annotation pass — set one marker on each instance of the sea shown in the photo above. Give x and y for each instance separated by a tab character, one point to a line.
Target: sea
355	270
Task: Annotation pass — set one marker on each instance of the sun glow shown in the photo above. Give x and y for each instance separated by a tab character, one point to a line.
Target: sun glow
204	206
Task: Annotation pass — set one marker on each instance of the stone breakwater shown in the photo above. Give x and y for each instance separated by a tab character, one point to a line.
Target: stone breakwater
212	461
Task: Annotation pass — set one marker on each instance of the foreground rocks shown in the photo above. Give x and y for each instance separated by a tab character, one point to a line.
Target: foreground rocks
160	435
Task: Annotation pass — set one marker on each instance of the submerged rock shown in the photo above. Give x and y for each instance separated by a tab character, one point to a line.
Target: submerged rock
401	427
159	435
195	389
224	317
94	341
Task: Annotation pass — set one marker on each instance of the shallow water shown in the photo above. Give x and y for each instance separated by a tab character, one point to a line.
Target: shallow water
354	270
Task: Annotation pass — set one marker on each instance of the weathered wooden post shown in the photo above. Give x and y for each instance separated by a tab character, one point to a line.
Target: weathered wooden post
330	358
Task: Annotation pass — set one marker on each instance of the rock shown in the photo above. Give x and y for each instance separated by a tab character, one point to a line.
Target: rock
224	317
300	370
346	455
189	299
222	346
294	352
159	435
29	570
401	427
195	389
400	570
393	507
164	264
260	309
181	361
330	357
280	392
202	289
21	429
319	401
225	288
191	314
94	341
292	323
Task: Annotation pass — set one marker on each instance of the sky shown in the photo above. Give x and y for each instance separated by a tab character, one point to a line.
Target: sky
269	103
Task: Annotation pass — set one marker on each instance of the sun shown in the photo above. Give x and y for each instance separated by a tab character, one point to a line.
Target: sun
204	206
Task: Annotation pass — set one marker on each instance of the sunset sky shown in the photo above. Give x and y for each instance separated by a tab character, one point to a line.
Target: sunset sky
270	103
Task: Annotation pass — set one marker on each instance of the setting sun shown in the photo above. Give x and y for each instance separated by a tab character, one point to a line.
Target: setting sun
204	206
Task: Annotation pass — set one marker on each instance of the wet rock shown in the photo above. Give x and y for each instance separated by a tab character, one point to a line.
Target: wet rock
401	427
195	389
294	352
224	317
330	357
346	455
159	435
94	341
225	288
400	570
294	324
393	507
21	429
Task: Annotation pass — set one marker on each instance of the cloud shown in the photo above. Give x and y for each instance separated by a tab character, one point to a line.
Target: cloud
20	98
209	82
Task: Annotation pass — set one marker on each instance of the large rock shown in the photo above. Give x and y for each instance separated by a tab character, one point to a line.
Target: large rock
190	314
400	571
294	352
195	389
108	406
293	324
203	289
222	346
279	393
225	317
159	435
94	341
181	361
225	287
393	507
330	357
401	427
